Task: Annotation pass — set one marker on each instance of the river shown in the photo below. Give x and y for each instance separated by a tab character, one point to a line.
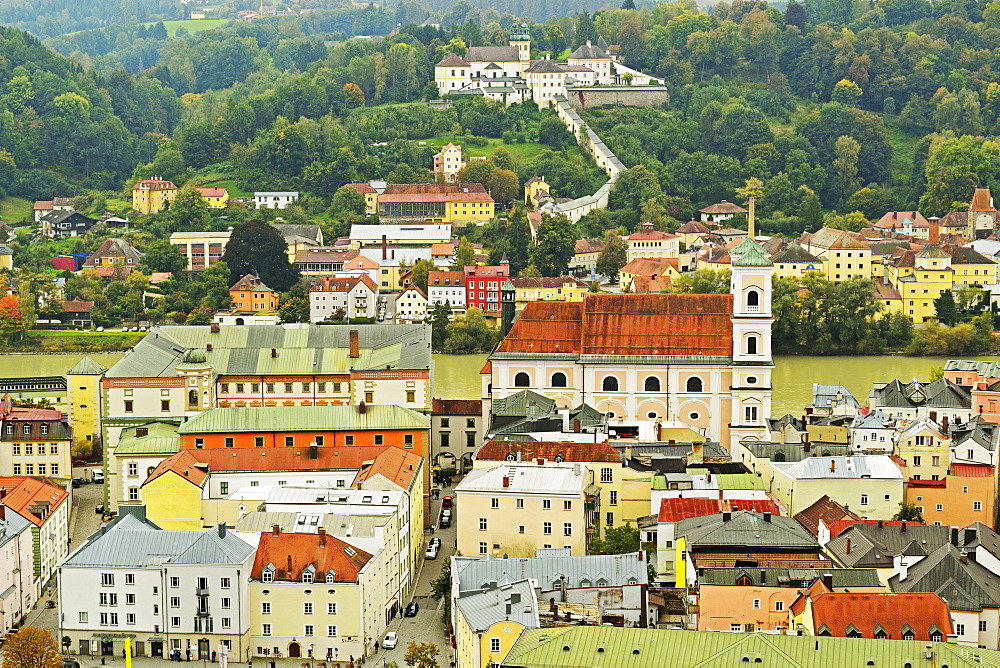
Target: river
457	376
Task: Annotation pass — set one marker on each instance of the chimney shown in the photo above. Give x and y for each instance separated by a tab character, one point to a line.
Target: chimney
322	536
726	517
964	557
274	352
828	581
576	426
385	248
214	328
881	524
313	451
903	526
362	408
954	536
767	517
289	570
141	431
275	530
935	231
833	465
848	549
208	347
506	481
355	345
222	529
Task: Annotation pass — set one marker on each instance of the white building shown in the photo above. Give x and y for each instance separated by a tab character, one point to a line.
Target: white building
167	590
651	243
411	305
16	564
353	297
873	431
446	287
448	163
274	200
401	236
870	485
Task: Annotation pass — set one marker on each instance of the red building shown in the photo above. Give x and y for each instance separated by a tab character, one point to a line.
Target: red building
482	287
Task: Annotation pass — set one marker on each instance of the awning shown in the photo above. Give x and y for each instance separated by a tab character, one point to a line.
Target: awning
111	636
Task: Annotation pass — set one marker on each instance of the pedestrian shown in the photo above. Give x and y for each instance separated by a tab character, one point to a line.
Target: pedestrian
376	645
433	529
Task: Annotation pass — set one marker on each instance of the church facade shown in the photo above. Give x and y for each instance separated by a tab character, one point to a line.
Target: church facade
700	359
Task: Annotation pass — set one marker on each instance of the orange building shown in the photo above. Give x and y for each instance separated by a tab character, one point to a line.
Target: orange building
303	426
966	495
250	294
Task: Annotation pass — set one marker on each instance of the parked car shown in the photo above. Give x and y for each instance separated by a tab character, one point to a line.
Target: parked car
446	514
70	663
432	552
436	541
411	609
389	642
445	523
447	501
98	476
77	482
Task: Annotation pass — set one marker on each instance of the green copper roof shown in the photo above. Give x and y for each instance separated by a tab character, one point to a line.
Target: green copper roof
610	647
751	255
160	439
87	367
304	418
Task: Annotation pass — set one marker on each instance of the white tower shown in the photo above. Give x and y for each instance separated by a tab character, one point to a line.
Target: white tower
752	273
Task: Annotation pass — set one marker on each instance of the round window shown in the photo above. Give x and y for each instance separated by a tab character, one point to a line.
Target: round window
651	415
694	416
307	591
331	591
751	380
265	592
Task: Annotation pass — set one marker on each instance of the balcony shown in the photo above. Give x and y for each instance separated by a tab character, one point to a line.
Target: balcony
201	591
202	613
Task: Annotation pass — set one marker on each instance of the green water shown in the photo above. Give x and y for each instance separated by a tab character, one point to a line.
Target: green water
457	376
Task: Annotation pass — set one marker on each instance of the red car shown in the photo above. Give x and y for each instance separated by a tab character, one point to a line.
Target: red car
447	502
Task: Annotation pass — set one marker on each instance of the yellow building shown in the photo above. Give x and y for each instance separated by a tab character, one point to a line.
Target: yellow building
489	621
795	261
919	285
6	257
926	449
558	288
972	268
216	198
172	493
870	485
533	187
370	194
648	275
84	396
152	195
844	256
436	203
518	508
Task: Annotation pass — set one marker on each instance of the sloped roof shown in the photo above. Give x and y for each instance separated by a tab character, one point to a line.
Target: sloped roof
498	450
900	218
794	253
723	207
625	324
184	464
547	568
941	393
212	192
681	508
745	528
87	367
874	544
529	282
750	254
77	305
292	553
982	200
823	509
492	54
966	255
892	613
933	251
451	60
32	498
589	52
789	577
527	477
395	465
513	602
692	227
160	439
647	266
303	418
857	467
544	66
523	404
457	407
830	238
966	586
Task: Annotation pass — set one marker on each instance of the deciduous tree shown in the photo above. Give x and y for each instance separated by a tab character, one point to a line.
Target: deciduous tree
31	647
613	257
257	248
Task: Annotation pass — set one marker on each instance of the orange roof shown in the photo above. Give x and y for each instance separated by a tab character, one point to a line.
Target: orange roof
31	498
626	324
342	284
892	219
212	192
894	614
450	279
972	470
588	246
44	205
825	509
396	465
292	553
677	509
435	192
443	249
183	464
153	184
496	450
982	200
754	505
487	368
649	266
361	262
363	188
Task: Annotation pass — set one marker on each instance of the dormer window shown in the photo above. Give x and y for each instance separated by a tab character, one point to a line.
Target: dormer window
331	577
267	575
307	575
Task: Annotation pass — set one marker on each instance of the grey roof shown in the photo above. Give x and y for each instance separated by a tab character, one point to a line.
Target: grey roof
589	52
11	526
793	452
616	569
874	546
160	439
745	528
985	368
824	395
775	424
977	430
545	66
794	252
750	255
872	420
879	467
513	601
87	367
300	349
311	232
133	543
710	449
492	54
342	525
789	577
941	393
523	404
965	586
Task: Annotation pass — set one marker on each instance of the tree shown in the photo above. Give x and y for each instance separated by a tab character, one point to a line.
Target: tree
556	245
200	315
257	248
703	282
465	255
908	512
441	589
617	540
421	655
12	323
944	308
418	275
613	257
189	210
553	132
31	647
440	317
347	203
162	255
847	93
470	334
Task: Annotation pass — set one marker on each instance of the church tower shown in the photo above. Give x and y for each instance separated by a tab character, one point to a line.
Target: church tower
750	285
521	38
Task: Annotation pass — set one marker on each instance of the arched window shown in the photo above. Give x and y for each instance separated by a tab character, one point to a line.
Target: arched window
193	397
652	384
753	298
610	384
521	380
558	379
752	344
694	384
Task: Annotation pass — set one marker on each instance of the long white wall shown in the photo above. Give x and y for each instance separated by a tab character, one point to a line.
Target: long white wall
605	159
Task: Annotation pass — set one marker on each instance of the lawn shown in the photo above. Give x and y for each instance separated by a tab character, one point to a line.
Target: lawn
904	148
217	181
522	151
191	25
15	210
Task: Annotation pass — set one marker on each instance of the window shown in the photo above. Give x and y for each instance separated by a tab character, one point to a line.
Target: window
607	474
165	405
331	608
269	387
916	460
977	505
288	388
128	406
609	384
29	469
546	504
133	469
736	628
176	622
779	606
939	507
307	576
483	548
307	608
369	397
982	625
567	528
230	442
130	578
175	601
408	441
445	422
693	384
29	449
752	344
85	618
522	380
175	582
756	604
265	629
16	448
864	499
482	524
520	503
960	629
753	300
199	443
223	488
609	519
17	469
289	441
107	579
129	599
349	440
567	505
27	430
133	493
613	498
104	619
331	631
494	503
547	528
265	608
750	414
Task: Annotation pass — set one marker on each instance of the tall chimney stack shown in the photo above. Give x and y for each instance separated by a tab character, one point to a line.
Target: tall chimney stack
385	248
355	351
935	231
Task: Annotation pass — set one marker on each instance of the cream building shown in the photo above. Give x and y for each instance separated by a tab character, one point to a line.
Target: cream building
83	385
649	242
870	485
489	621
925	448
703	360
448	163
411	305
518	508
844	257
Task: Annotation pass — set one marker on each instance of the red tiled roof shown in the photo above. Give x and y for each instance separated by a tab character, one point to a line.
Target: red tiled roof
292	553
825	509
755	505
24	413
443	249
452	60
677	509
435	192
78	306
342	284
972	470
495	451
363	188
981	200
648	266
626	324
183	464
32	498
212	192
457	407
487	368
395	465
43	205
723	207
526	282
895	219
692	227
838	527
650	234
588	246
896	613
437	279
154	185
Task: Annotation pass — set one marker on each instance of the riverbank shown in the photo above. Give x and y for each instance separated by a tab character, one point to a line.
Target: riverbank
73	342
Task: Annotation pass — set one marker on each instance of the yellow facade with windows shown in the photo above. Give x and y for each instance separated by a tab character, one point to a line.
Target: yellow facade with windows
481	649
173	502
474	211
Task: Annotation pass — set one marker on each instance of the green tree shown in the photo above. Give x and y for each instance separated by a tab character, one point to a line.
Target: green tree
470	334
847	93
552	131
944	308
617	540
908	512
441	589
161	255
419	273
556	245
613	257
465	255
703	281
935	373
440	318
257	248
189	210
200	315
347	203
421	655
810	210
